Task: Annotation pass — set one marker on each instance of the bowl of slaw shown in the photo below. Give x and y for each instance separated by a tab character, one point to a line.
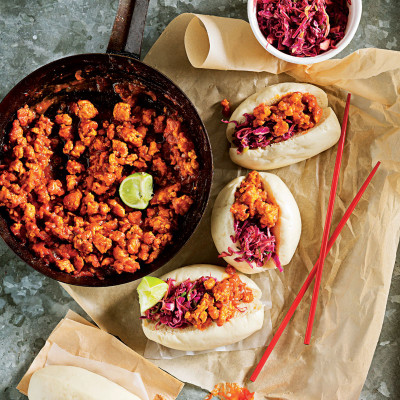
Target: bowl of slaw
293	28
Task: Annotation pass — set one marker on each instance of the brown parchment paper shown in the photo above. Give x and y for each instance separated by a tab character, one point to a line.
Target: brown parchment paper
75	338
358	270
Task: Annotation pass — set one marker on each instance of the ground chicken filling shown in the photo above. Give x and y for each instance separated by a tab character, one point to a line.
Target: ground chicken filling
200	303
59	184
295	113
254	216
230	391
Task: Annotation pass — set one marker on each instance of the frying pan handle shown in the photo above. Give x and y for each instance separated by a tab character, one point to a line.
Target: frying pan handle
127	33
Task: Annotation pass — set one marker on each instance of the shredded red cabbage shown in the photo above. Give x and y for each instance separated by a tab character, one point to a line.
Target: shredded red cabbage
177	301
248	137
256	245
303	28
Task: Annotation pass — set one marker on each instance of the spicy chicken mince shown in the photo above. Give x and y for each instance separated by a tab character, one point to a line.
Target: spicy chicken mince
59	181
201	302
254	217
295	113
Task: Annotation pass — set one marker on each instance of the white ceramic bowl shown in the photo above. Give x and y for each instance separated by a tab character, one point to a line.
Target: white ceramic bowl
355	9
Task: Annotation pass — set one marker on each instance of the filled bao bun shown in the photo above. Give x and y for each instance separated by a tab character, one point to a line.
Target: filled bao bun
73	383
242	325
295	149
287	230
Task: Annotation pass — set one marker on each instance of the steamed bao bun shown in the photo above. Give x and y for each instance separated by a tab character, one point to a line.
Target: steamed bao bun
242	325
309	143
58	382
287	229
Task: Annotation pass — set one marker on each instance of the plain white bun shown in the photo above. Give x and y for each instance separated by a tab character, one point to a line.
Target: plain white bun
242	325
299	147
287	230
57	382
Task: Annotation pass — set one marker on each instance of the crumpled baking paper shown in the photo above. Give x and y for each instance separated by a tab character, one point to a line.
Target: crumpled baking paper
228	62
76	342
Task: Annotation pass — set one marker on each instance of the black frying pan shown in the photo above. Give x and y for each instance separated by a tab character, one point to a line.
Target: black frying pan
56	82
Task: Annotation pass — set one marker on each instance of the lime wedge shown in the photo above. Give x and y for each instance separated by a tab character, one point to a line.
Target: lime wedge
137	190
151	290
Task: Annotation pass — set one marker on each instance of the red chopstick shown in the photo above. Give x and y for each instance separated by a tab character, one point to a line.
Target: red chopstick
310	277
328	222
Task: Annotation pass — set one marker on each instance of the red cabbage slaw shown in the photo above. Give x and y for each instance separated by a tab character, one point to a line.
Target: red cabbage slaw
247	137
303	28
256	245
178	300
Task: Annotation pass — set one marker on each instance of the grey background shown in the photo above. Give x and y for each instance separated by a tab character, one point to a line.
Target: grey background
35	32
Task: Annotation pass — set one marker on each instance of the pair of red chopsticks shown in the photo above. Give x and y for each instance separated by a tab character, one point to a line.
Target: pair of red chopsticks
325	248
